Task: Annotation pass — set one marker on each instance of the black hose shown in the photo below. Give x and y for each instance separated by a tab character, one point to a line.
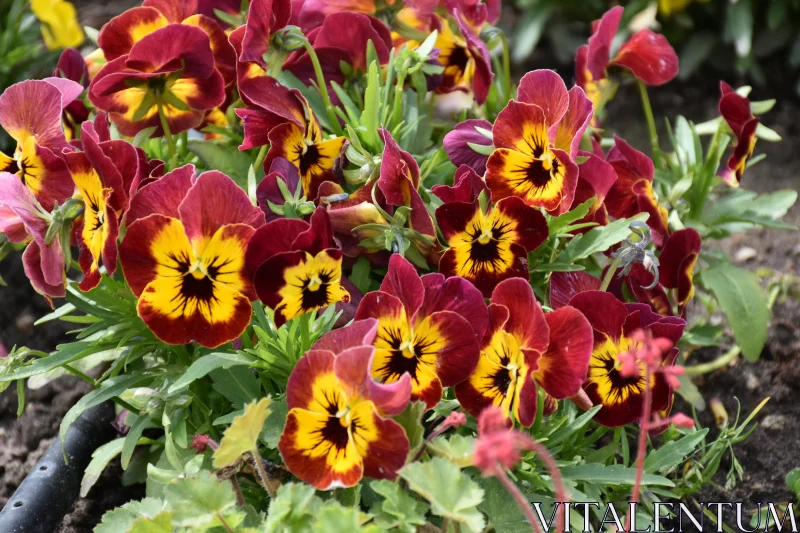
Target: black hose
47	494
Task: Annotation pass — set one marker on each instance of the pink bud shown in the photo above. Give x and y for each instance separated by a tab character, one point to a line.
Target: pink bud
682	421
454	420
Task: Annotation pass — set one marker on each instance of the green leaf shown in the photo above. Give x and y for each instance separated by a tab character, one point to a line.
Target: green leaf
237	384
142	136
398	510
411	421
452	494
793	481
503	513
226	159
598	239
558	267
556	224
579	423
132	438
458	449
197	500
333	516
744	303
610	475
673	453
370	117
100	459
111	387
360	275
242	435
293	509
208	363
121	518
161	523
273	428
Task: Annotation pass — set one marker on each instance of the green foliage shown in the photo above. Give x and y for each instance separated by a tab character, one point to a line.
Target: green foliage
451	492
398	510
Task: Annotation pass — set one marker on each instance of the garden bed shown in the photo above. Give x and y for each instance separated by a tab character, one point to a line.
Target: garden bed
777	374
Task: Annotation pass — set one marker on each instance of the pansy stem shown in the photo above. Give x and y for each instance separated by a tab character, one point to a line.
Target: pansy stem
612	269
262	474
323	88
506	70
262	155
173	150
716	364
651	122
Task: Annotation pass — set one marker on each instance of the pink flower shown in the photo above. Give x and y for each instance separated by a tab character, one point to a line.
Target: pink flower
498	445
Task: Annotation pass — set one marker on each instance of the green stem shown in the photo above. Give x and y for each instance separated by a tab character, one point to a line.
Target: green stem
506	69
323	88
173	150
708	176
262	154
716	364
262	474
397	107
612	269
651	122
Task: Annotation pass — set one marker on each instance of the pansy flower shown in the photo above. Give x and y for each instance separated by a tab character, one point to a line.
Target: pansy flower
676	265
337	430
476	13
269	103
30	112
486	247
269	192
71	66
360	30
304	145
735	109
595	178
313	13
428	328
458	144
296	266
122	32
465	58
632	192
614	324
535	141
524	347
647	55
23	219
183	256
264	17
172	68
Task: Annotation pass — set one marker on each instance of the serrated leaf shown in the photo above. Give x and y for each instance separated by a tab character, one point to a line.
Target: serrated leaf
242	435
161	523
197	500
398	510
451	493
333	516
121	518
457	449
673	453
503	513
293	509
744	303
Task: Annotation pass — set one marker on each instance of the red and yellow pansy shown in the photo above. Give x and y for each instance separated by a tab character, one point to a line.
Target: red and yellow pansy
429	328
184	256
337	430
536	140
296	266
676	265
171	69
486	247
30	112
465	58
613	324
632	192
524	347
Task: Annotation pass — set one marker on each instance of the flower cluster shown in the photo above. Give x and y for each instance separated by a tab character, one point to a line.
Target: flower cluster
297	191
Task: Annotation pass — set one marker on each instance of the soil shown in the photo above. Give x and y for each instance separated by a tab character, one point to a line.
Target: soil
766	456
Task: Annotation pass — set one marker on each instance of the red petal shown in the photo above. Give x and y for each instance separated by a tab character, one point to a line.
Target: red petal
546	89
563	366
599	49
649	56
162	196
565	285
403	282
604	312
526	320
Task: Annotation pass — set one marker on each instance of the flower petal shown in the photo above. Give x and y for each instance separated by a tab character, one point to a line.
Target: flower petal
604	312
118	36
545	89
564	364
457	147
162	196
649	56
565	285
526	319
403	282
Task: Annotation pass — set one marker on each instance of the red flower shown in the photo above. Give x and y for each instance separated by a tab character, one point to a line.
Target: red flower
535	142
735	109
524	347
486	248
337	430
264	17
296	267
172	67
677	260
614	324
184	256
457	144
428	327
465	58
632	192
647	55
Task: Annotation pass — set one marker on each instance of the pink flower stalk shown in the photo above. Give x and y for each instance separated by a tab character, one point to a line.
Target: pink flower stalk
500	447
